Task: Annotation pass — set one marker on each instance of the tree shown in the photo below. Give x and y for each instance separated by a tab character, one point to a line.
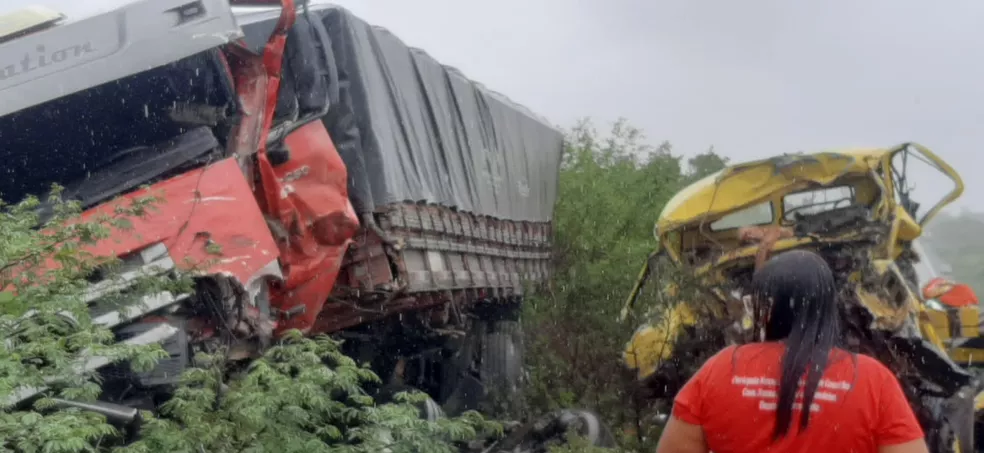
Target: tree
706	163
611	191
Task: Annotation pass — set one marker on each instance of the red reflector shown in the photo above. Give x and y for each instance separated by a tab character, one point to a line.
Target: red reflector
256	2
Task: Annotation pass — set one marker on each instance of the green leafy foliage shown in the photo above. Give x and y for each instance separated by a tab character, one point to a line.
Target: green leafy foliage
577	444
302	395
47	330
612	189
706	163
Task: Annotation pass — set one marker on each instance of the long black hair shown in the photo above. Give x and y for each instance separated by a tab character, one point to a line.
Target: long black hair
799	288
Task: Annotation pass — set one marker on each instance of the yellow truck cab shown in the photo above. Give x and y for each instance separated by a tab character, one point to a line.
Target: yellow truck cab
859	210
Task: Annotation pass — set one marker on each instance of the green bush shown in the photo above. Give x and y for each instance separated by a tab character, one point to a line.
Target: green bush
289	401
47	330
303	395
612	189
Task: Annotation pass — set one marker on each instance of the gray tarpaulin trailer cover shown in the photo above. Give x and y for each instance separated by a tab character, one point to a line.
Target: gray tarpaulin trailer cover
412	130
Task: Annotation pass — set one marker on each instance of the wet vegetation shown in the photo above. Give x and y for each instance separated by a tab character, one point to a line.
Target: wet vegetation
613	186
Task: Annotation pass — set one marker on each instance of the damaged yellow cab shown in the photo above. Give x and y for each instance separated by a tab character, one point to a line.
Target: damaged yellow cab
859	209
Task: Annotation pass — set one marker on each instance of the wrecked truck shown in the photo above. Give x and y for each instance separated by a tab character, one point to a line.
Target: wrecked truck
352	185
860	210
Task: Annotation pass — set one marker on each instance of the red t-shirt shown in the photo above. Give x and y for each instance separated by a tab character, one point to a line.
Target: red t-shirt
857	407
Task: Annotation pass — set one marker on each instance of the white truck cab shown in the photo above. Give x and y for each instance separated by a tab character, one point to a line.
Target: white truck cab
53	48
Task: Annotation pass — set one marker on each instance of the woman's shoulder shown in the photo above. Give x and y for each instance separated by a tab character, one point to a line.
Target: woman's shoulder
867	361
725	354
730	352
865	364
756	348
748	351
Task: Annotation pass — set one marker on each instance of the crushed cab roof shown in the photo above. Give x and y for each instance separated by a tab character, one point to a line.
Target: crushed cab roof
724	192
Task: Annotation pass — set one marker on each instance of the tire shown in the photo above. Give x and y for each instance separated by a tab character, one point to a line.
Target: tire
486	372
501	367
591	428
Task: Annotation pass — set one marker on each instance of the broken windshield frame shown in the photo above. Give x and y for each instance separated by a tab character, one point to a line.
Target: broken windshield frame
78	140
904	188
656	260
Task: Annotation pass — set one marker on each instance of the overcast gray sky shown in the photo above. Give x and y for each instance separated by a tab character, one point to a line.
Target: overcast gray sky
752	78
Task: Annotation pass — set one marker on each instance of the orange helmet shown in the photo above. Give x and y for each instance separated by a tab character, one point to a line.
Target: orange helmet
949	292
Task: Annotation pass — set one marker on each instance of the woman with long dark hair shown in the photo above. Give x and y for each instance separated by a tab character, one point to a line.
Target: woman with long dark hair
796	391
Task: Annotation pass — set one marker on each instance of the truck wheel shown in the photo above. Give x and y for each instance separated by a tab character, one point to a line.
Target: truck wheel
501	367
594	430
485	372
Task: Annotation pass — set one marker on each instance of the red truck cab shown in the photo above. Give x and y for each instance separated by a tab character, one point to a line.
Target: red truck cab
313	171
